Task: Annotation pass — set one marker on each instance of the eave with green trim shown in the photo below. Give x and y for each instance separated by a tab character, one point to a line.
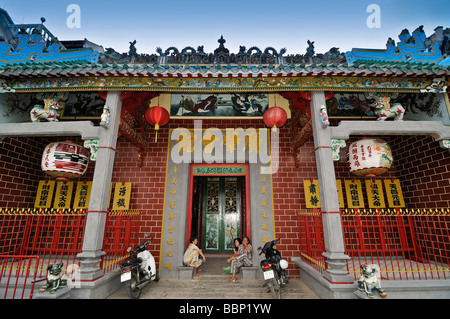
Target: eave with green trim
85	76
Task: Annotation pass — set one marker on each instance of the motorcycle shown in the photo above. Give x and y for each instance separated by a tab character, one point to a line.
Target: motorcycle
138	272
274	269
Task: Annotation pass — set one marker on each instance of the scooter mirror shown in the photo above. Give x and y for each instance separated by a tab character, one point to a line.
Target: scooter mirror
147	234
259	248
129	249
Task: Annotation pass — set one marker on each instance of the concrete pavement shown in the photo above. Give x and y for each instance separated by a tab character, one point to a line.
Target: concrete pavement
210	283
211	286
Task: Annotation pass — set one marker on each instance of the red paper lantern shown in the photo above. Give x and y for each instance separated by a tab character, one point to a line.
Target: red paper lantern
275	117
157	116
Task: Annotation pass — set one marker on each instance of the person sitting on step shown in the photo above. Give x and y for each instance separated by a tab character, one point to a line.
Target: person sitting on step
244	257
191	256
237	243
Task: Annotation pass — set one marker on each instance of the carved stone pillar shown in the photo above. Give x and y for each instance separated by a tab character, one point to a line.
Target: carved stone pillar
92	253
332	227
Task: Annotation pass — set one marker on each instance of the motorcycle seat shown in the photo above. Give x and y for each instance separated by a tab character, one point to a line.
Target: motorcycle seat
132	262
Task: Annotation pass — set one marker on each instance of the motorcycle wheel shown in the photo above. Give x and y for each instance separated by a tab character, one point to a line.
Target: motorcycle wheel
275	289
284	280
132	289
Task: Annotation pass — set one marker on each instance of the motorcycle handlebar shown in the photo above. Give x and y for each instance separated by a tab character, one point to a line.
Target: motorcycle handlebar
273	242
144	244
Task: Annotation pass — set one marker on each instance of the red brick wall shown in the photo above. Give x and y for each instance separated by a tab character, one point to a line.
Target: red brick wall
424	171
421	165
149	181
20	173
288	194
343	173
20	169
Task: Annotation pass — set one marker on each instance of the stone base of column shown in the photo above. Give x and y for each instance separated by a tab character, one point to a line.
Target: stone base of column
337	272
100	288
90	265
92	282
323	286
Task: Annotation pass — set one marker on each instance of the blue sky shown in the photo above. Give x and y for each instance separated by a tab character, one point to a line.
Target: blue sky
276	23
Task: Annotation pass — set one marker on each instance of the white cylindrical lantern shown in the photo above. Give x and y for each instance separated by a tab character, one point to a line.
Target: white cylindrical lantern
65	160
369	157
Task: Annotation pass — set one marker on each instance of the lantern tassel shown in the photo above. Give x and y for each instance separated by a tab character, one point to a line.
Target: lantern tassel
156	129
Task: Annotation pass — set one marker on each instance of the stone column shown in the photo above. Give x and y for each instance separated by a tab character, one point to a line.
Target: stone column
332	227
98	205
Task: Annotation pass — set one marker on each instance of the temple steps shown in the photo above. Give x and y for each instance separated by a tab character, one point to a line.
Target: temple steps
217	286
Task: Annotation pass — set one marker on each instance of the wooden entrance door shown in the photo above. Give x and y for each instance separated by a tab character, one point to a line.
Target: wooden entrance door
222	213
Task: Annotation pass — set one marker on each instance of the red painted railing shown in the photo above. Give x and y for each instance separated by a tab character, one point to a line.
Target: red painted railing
121	231
18	276
312	244
406	244
56	235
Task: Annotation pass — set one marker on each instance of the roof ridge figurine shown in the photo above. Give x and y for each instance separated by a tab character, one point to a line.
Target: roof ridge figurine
411	48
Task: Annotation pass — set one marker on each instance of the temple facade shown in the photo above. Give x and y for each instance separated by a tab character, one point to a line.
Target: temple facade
219	145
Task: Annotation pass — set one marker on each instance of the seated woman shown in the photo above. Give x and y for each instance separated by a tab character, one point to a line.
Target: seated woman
191	256
243	258
237	244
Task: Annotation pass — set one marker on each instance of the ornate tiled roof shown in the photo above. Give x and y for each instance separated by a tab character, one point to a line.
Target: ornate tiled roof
32	53
415	48
358	68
